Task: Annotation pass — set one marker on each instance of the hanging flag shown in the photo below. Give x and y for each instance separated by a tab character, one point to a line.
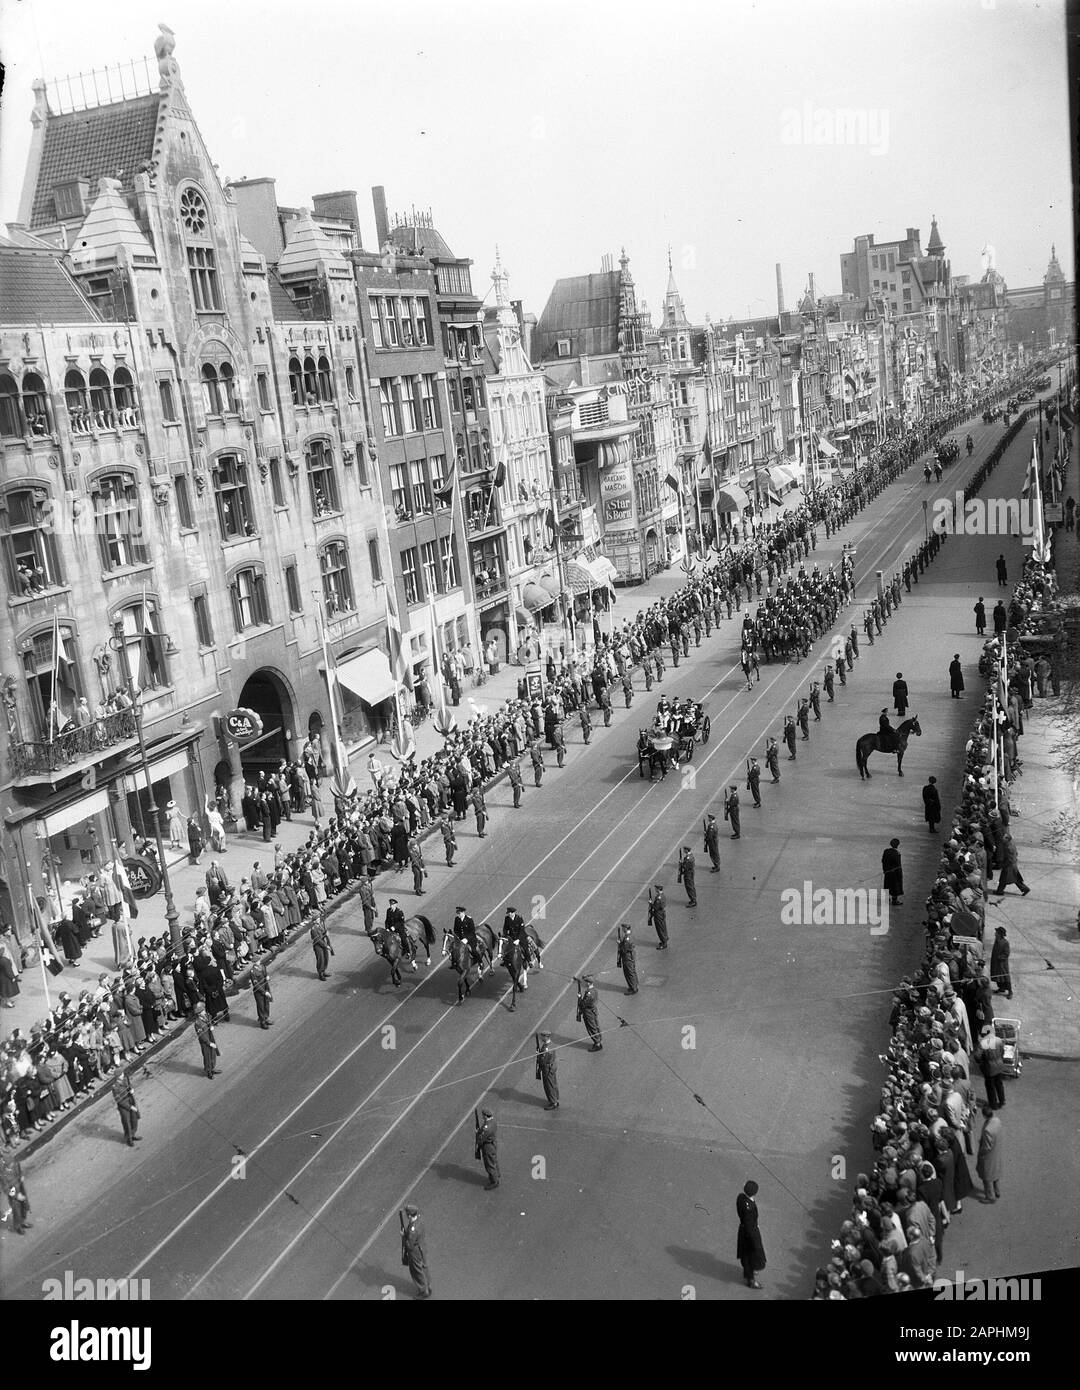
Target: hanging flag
61	671
146	645
674	482
342	779
403	744
442	713
445	491
500	475
1040	542
400	665
1032	475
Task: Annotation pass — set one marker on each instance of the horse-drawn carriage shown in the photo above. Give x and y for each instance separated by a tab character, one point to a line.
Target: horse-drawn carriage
671	739
989	416
948	451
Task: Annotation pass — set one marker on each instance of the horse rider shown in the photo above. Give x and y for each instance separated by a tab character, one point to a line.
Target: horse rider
886	733
395	922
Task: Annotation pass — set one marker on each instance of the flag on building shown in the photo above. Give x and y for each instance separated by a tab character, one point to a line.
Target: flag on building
1040	543
442	712
673	481
147	647
342	779
61	671
1031	478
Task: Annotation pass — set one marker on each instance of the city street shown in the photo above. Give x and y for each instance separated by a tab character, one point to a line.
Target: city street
750	1051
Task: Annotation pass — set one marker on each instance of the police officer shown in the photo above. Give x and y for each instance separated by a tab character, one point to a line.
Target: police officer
586	1012
514	926
547	1070
414	1250
658	915
753	780
626	959
464	927
712	842
395	921
320	944
487	1147
687	869
731	810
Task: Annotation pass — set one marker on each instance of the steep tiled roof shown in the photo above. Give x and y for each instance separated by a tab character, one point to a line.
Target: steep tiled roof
104	141
34	286
583	308
422	241
281	302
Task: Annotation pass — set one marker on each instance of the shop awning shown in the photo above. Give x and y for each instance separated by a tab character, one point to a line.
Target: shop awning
534	598
781	476
604	569
523	616
731	498
829	450
367	675
551	585
612	451
774	497
579	576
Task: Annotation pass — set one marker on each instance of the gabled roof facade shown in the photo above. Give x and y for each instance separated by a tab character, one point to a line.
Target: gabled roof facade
35	287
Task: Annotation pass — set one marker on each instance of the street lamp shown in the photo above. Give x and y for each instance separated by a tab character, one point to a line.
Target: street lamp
119	645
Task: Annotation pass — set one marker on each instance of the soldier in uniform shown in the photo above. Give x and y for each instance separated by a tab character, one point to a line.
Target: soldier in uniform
586	1012
712	842
414	1251
320	944
900	694
753	780
658	658
560	745
803	717
815	701
547	1070
11	1179
514	773
626	958
586	723
772	758
628	689
537	755
841	668
205	1033
367	902
853	638
731	810
487	1147
829	684
259	980
446	826
416	863
687	869
128	1107
658	915
789	736
604	700
479	805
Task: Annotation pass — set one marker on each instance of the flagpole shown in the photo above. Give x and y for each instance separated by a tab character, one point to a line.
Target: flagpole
41	949
54	712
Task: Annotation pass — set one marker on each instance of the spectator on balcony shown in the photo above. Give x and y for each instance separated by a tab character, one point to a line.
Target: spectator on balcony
83	717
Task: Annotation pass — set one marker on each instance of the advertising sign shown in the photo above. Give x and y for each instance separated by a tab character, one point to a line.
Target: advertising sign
617	492
534	683
243	725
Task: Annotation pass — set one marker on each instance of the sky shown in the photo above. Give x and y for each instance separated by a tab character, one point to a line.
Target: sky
738	134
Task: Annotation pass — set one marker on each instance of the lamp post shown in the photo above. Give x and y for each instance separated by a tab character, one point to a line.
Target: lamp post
172	917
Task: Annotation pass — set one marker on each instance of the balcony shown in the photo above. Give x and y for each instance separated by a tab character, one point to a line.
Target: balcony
76	747
489	588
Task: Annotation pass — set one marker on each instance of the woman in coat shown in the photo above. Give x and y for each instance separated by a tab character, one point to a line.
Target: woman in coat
9	981
133	1012
988	1165
176	826
956	677
316	803
56	1068
750	1250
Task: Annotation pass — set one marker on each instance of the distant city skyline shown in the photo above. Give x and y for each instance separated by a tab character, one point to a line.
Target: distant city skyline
739	136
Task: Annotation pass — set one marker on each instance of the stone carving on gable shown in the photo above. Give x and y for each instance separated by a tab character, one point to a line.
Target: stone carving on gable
163	51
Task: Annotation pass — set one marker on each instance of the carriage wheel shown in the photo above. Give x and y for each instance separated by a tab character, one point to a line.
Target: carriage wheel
688	751
706	729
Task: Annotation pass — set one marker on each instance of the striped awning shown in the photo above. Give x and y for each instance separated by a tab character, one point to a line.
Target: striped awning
550	583
781	476
534	598
579	577
731	498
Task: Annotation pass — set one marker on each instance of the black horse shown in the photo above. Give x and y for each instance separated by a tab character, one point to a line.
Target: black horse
387	943
518	957
871	743
471	957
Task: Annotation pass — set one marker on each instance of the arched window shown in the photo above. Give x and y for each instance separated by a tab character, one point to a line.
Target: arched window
515	407
497	422
530	418
247	589
227	383
321	476
77	402
29	544
53	680
101	404
311	383
124	398
211	388
326	381
118	521
296	381
201	258
140	626
231	494
336	581
35	404
11	425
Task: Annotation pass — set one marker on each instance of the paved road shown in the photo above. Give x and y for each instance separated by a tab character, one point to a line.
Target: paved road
750	1050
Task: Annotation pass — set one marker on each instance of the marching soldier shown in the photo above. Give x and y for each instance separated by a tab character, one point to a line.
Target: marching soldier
586	723
586	1011
560	745
514	773
687	869
789	736
815	701
547	1070
772	758
605	705
416	863
829	683
446	826
487	1147
753	779
712	842
320	943
626	959
537	755
804	718
414	1251
731	810
658	915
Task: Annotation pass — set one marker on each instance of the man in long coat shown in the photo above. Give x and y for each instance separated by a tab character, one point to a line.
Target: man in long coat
956	677
893	873
900	694
414	1251
658	916
626	959
988	1164
931	804
750	1250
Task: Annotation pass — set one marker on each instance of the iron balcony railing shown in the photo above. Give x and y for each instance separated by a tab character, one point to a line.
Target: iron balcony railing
73	744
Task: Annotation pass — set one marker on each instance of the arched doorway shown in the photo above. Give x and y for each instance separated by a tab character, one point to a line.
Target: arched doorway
265	693
652	550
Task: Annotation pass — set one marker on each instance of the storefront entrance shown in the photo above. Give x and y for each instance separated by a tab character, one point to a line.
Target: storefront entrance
266	694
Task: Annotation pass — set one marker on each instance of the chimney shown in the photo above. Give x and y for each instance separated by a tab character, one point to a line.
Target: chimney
382	223
606	263
340	205
779	289
813	290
